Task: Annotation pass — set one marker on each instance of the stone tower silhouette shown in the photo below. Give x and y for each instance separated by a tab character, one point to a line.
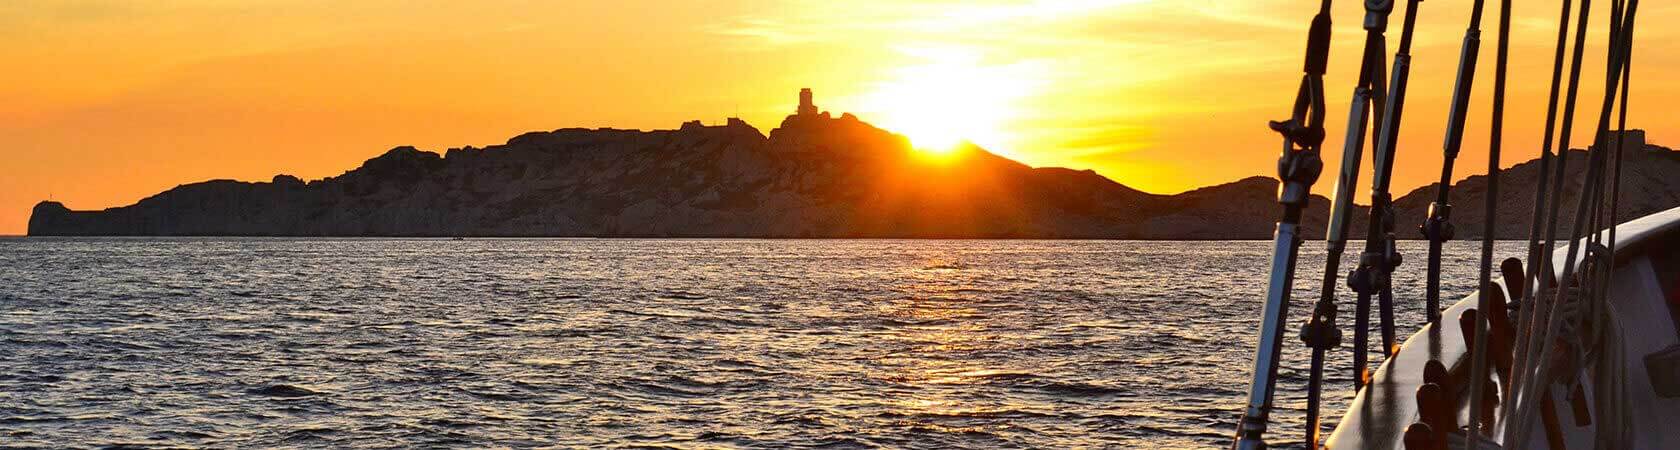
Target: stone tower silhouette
806	108
1632	140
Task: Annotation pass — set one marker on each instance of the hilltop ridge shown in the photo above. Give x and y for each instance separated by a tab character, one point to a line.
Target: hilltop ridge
813	176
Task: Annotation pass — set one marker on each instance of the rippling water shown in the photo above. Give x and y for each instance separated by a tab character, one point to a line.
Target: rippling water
682	343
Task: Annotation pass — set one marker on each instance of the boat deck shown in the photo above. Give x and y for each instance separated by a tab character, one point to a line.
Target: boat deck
1644	320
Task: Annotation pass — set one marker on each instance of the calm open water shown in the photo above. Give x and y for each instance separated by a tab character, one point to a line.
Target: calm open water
666	343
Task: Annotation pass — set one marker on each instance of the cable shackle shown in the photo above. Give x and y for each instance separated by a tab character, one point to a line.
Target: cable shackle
1304	129
1303	132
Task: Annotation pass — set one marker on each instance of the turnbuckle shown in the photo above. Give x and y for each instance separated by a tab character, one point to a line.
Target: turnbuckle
1320	332
1437	228
1298	170
1376	14
1368	277
1372	274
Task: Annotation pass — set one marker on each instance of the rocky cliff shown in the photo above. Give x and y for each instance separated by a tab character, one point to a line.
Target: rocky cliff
1650	182
814	176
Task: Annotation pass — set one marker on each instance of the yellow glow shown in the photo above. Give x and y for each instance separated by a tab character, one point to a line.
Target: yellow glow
941	155
951	99
107	102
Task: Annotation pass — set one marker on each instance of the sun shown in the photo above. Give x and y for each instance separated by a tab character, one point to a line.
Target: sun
951	99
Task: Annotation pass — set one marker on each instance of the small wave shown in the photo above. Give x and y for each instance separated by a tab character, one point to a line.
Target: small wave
983	414
129	345
32	378
674	389
738	323
978	376
653	313
284	391
498	396
683	295
1074	389
945	265
182	434
546	362
48	419
738	363
994	374
310	434
842	442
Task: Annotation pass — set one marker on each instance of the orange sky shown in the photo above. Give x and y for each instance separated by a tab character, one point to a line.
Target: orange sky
105	102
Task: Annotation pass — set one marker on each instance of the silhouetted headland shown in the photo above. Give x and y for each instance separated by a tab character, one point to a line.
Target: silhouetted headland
814	176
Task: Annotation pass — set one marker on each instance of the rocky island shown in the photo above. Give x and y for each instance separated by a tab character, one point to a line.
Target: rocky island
814	176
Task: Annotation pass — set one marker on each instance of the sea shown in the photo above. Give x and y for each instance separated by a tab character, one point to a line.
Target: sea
606	343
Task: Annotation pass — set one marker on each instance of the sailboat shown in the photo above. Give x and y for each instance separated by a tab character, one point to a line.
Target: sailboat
1576	347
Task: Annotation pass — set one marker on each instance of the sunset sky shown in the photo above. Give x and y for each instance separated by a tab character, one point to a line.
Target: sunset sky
103	103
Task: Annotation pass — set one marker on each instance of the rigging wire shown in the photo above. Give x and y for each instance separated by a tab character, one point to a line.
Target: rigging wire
1369	98
1373	275
1300	165
1298	168
1484	299
1438	227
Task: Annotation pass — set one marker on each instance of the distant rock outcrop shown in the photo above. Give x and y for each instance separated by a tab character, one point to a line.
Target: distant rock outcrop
814	176
1650	182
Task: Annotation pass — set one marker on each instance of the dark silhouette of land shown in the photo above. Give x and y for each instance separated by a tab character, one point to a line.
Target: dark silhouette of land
814	176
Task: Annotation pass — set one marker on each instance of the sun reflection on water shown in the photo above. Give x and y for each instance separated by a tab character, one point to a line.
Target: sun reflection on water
937	324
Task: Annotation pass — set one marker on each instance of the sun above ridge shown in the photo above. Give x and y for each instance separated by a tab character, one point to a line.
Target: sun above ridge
950	100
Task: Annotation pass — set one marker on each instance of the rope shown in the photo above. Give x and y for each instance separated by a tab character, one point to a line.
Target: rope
1621	43
1438	228
1531	281
1611	386
1609	360
1621	136
1539	307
